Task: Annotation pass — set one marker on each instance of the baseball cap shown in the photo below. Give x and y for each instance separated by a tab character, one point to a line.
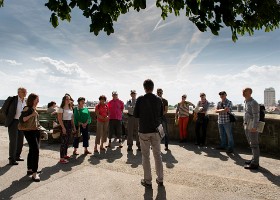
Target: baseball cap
222	93
114	93
184	95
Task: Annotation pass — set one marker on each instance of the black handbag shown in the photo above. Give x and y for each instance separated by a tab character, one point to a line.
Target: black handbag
232	117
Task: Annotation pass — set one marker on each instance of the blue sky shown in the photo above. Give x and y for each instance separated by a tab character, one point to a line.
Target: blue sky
173	53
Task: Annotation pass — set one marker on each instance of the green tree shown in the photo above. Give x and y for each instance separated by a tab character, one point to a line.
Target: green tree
242	16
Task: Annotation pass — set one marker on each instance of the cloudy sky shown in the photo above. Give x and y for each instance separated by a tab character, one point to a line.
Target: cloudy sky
173	53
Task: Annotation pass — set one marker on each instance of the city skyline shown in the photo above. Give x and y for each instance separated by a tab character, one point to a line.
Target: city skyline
173	53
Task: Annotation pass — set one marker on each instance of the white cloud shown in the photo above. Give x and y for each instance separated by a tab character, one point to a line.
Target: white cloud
10	62
70	59
192	50
256	77
61	68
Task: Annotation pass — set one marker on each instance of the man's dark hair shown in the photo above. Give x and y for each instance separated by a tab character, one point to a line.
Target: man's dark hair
102	97
81	99
51	104
148	85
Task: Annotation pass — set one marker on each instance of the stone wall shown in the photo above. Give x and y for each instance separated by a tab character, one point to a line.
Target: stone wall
269	139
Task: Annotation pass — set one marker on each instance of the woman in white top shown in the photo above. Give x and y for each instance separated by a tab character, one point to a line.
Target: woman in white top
66	120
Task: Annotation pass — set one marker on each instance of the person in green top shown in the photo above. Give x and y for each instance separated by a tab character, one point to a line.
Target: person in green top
81	119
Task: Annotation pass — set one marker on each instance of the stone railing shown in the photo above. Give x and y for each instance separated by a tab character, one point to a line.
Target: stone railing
269	139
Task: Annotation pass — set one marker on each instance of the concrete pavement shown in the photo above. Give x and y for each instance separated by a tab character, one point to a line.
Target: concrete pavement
190	173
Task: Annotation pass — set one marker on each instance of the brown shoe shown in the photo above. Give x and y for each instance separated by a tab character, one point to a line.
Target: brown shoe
87	152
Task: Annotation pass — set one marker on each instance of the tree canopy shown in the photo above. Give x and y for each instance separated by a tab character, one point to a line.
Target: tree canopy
242	16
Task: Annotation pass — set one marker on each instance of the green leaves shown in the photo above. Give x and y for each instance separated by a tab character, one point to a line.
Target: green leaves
139	4
242	16
54	20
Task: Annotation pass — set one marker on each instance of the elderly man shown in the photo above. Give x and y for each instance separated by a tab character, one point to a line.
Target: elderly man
12	109
252	110
132	124
225	127
115	107
149	110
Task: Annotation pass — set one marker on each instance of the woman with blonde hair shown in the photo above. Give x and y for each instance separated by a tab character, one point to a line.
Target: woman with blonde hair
66	120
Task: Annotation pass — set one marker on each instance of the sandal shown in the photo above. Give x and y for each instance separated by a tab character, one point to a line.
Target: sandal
66	157
63	161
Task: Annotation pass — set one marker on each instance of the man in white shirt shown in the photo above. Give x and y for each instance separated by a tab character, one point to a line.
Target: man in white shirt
12	109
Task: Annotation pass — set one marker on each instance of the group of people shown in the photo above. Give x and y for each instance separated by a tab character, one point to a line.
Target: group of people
224	109
145	114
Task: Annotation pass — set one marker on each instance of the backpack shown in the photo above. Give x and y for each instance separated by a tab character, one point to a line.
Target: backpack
262	113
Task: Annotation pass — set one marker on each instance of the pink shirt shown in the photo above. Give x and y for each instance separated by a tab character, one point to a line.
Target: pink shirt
115	109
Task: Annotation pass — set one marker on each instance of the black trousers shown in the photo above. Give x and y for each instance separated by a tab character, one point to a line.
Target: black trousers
201	123
115	128
33	139
16	141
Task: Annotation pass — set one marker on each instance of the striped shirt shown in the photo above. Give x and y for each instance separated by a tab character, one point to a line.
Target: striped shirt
183	109
223	117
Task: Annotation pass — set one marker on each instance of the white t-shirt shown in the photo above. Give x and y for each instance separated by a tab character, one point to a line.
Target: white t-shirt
67	113
20	106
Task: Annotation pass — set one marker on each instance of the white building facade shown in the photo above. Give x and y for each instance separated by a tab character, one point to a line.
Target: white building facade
269	97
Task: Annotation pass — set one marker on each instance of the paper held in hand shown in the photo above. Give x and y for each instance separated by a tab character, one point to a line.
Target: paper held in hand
260	126
161	131
197	109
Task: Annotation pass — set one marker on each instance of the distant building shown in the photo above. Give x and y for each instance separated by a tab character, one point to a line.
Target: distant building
91	104
269	97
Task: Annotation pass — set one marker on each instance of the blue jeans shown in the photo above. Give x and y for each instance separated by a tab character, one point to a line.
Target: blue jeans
225	131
